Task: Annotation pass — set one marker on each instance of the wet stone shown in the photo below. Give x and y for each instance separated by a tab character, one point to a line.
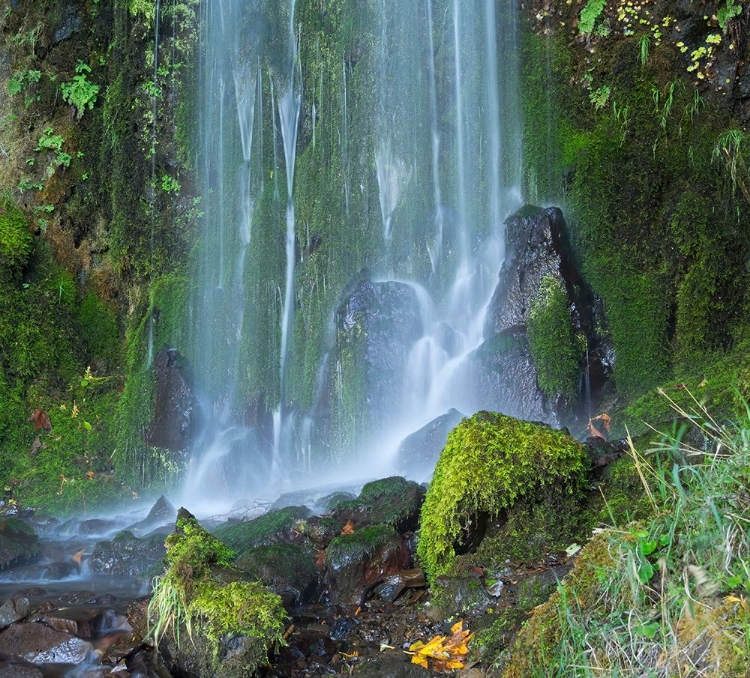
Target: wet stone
13	610
39	644
19	671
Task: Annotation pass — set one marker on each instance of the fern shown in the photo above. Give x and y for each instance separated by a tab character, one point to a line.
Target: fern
589	14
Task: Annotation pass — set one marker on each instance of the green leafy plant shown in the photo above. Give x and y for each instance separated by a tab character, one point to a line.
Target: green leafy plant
21	80
80	92
49	141
169	184
727	13
589	15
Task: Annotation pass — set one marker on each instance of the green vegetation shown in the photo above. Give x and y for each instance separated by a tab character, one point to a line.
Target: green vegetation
200	589
669	591
490	461
262	530
554	347
16	240
80	93
591	11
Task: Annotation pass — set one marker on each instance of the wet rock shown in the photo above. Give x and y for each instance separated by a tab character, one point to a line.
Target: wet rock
127	555
355	563
461	595
418	453
175	409
70	23
376	324
13	610
137	617
19	671
395	584
96	526
392	501
286	569
75	621
505	374
321	529
162	514
39	644
18	543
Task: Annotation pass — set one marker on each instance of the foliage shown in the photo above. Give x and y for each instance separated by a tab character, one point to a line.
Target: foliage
100	332
80	93
193	592
16	240
669	592
489	462
262	530
591	11
728	12
554	347
21	80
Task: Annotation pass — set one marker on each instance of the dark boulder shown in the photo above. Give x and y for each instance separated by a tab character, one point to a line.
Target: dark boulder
274	527
175	408
13	610
418	453
18	543
39	644
127	555
161	517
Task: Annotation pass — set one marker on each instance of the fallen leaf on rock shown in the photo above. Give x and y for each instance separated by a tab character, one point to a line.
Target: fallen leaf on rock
348	528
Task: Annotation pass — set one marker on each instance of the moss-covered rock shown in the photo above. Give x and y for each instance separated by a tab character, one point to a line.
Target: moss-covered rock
239	620
18	543
390	501
489	462
270	528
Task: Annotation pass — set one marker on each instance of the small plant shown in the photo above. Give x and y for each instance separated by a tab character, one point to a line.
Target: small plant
49	141
169	184
21	80
600	96
80	93
644	45
727	13
589	14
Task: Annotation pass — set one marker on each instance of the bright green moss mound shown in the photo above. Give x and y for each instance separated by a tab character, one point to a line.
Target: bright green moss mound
263	530
489	461
16	241
553	342
201	590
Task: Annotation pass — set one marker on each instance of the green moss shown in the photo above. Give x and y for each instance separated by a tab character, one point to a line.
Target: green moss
263	529
346	549
393	501
16	240
199	589
100	331
489	462
554	346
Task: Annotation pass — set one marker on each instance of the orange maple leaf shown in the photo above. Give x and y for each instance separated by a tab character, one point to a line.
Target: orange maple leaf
41	420
348	528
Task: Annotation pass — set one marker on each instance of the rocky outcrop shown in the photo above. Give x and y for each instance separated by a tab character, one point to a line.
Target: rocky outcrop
18	543
127	555
175	409
418	453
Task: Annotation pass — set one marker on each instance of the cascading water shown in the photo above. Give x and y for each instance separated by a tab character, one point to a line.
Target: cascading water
427	146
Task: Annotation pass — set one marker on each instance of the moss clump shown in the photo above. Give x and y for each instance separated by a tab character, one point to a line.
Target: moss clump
16	241
263	530
552	341
489	462
347	549
199	587
391	501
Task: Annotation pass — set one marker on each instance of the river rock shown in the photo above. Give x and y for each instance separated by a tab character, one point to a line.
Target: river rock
18	543
39	644
356	562
13	610
19	671
418	453
162	515
175	408
127	555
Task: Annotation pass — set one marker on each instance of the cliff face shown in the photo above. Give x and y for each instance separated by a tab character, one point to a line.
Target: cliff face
634	123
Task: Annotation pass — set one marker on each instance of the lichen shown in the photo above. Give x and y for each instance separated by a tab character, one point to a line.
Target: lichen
489	462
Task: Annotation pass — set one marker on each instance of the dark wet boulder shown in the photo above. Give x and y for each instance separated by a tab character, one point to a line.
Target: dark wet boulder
8	670
13	610
275	527
161	517
39	644
286	569
390	667
459	595
175	408
392	501
127	555
418	453
18	543
356	563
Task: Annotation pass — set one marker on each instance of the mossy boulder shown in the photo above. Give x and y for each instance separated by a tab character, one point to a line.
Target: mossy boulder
271	528
16	241
390	501
127	555
490	462
230	622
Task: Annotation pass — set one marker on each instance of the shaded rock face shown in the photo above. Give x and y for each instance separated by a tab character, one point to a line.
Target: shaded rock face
127	555
536	249
176	408
376	325
13	610
18	543
418	453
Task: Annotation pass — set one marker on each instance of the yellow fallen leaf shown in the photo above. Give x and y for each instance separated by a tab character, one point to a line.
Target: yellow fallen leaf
420	660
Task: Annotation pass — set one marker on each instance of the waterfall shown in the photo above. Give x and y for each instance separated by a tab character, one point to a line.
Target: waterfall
401	149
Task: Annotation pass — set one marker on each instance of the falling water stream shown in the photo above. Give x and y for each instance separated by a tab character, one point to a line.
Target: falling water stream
438	154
